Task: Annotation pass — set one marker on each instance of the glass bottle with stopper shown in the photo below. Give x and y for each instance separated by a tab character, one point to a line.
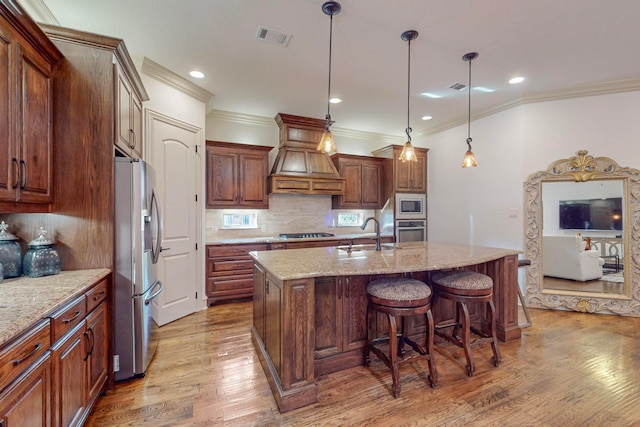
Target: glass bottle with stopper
10	253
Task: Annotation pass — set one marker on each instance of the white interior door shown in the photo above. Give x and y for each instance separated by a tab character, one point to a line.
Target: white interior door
172	153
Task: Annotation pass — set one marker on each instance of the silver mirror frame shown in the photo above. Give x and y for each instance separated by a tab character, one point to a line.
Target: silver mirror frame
581	168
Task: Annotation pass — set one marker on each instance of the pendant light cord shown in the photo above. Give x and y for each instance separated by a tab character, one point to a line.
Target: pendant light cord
408	130
329	86
469	110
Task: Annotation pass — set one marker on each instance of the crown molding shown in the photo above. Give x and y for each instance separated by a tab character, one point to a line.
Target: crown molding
39	12
267	121
158	72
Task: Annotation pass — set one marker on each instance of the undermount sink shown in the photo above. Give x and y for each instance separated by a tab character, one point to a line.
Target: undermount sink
360	248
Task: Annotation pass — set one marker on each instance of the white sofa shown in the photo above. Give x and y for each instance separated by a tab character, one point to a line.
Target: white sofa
564	257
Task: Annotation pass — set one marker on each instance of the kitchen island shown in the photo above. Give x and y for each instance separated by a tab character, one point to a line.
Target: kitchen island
309	316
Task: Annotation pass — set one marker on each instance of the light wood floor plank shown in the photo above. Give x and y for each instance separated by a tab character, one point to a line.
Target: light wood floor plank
569	369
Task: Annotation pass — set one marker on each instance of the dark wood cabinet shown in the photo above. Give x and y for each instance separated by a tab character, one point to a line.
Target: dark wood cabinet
80	355
364	187
407	177
28	401
237	175
340	322
27	62
230	271
128	117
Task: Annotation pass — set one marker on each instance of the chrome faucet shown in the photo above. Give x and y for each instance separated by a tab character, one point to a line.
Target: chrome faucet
364	225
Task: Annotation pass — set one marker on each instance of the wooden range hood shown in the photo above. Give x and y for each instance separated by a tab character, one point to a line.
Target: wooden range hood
299	167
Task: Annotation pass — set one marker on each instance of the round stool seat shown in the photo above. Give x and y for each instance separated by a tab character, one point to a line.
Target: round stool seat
399	292
464	282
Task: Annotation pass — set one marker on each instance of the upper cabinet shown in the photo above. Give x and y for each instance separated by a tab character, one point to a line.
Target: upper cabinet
237	175
27	59
408	177
128	117
363	187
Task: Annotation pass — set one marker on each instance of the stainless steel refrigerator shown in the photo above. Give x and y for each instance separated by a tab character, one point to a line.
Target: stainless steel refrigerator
138	237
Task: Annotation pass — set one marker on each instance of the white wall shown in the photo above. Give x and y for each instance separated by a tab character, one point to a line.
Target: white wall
475	205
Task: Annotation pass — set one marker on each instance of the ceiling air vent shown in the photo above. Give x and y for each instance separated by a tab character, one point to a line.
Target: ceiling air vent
273	36
458	86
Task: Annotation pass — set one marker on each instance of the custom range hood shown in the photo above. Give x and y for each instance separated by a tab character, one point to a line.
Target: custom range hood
299	167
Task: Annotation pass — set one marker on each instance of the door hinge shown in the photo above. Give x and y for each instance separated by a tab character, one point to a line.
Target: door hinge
196	148
196	197
196	246
196	295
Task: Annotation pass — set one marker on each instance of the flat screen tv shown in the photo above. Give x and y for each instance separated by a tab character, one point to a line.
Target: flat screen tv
591	214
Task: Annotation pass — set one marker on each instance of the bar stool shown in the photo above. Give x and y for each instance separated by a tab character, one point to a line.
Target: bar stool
398	298
466	287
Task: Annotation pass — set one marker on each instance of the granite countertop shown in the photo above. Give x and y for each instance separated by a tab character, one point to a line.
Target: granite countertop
364	259
25	300
276	239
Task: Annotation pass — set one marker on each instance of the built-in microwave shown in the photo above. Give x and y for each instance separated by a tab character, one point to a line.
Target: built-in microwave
411	206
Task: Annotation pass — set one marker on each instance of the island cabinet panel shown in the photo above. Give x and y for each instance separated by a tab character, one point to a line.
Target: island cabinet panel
283	334
340	322
237	175
363	182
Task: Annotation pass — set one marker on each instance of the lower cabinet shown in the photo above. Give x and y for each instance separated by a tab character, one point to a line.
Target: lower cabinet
27	402
80	368
52	374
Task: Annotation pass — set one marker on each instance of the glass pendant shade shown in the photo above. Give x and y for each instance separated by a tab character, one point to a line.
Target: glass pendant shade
408	153
469	160
327	143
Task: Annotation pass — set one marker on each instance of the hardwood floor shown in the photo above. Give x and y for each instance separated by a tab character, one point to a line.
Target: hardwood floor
569	369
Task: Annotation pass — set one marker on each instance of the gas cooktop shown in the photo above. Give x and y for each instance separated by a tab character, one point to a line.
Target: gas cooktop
304	235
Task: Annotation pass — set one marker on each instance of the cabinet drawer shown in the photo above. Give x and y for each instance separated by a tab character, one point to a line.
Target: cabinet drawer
225	251
65	319
230	265
17	356
230	283
96	295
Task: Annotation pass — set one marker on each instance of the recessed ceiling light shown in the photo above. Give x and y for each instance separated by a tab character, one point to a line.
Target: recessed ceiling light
483	89
427	117
335	100
516	80
196	74
431	95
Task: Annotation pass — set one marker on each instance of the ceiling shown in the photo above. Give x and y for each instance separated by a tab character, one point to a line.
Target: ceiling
562	48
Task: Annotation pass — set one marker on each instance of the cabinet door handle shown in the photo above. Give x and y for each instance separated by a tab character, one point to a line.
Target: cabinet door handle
72	318
25	358
86	356
17	171
132	138
266	286
25	175
99	296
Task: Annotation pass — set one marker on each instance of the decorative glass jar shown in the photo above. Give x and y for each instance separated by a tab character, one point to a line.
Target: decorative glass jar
42	259
10	253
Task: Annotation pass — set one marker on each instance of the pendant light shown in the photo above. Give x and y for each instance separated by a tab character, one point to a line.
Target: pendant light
408	153
327	143
469	160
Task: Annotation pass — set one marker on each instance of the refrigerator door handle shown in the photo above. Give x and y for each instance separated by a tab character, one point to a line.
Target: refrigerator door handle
155	212
147	300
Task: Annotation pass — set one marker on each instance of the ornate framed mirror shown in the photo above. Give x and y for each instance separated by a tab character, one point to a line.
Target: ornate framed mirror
587	208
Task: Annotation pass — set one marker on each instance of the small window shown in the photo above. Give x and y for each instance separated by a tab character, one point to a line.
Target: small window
349	219
239	220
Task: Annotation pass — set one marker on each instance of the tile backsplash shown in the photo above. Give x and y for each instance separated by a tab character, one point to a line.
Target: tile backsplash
287	213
